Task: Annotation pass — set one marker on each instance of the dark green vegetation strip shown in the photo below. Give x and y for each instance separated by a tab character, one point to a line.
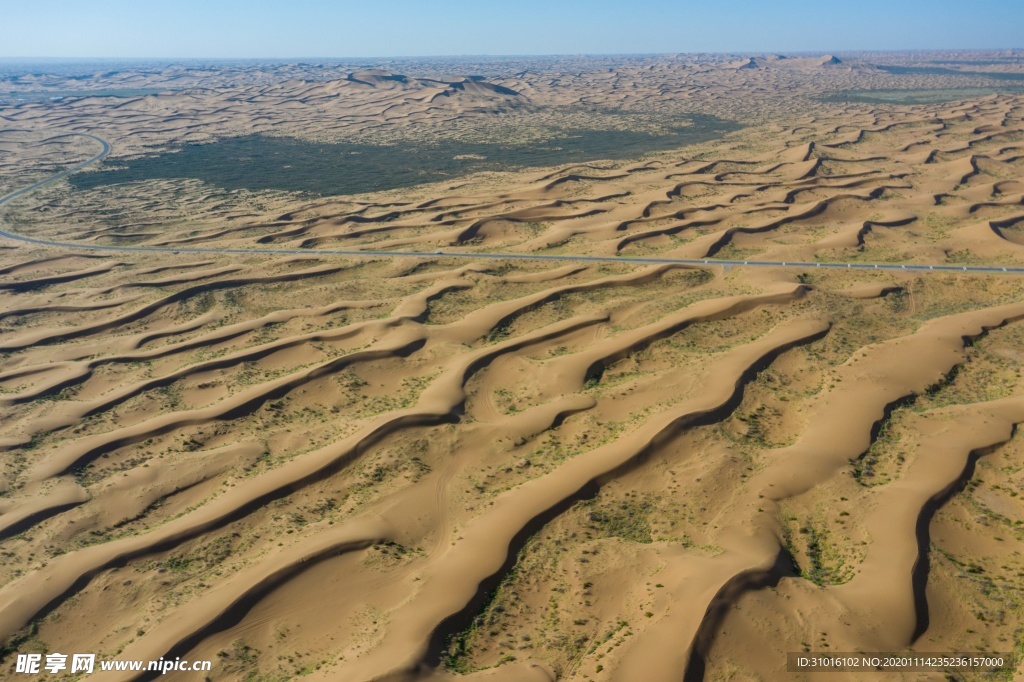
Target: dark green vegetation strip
1009	61
261	163
940	71
43	95
920	96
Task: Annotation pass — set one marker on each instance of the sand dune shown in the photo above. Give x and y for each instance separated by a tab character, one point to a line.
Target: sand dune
369	467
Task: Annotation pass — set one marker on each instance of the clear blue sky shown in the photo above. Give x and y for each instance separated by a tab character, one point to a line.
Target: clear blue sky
376	28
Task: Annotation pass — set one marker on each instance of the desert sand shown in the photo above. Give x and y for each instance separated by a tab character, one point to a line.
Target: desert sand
393	468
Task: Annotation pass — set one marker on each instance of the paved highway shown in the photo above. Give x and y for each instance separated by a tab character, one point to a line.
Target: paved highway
909	267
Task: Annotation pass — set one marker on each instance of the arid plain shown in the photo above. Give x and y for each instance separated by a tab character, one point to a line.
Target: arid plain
344	467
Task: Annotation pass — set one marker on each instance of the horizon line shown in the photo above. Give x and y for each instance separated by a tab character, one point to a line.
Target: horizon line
20	58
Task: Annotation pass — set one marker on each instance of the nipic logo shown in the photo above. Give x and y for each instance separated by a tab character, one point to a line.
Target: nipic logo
55	663
34	664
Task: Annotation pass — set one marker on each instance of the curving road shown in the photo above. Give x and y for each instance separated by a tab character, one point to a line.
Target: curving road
910	267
